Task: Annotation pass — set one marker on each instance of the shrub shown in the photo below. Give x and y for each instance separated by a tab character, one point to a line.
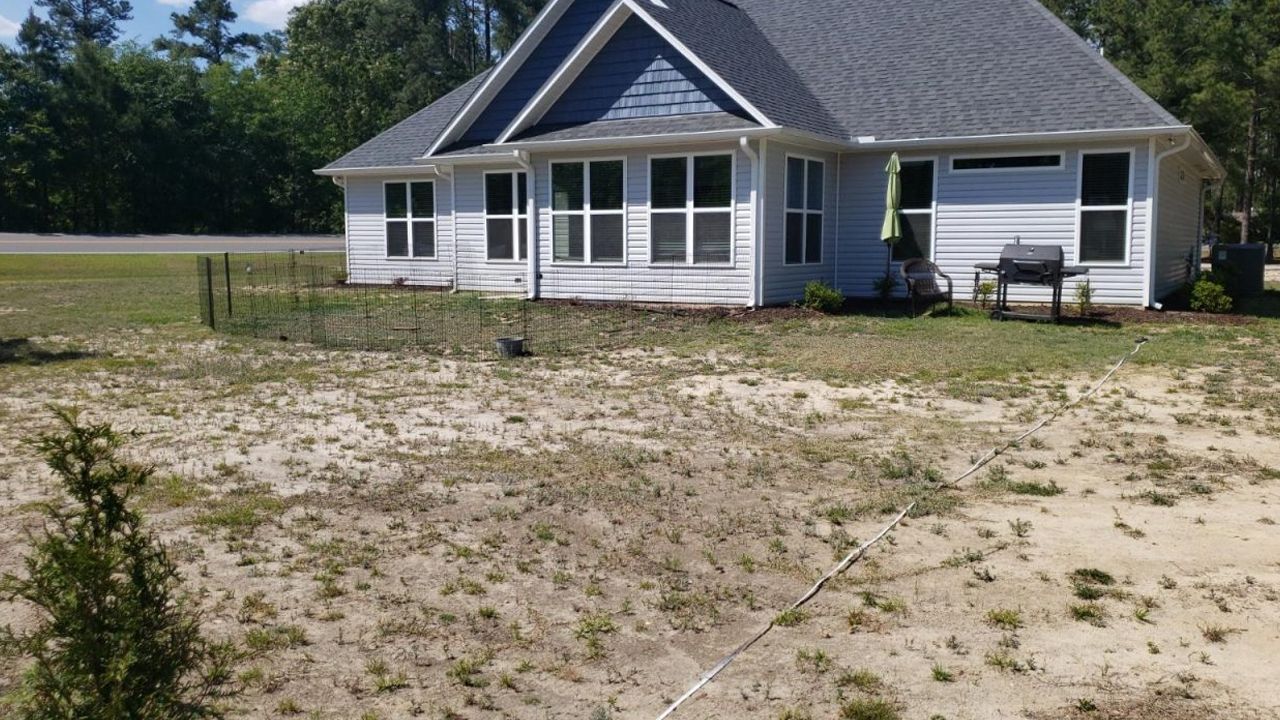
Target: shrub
822	297
114	637
1208	295
884	286
1084	298
986	291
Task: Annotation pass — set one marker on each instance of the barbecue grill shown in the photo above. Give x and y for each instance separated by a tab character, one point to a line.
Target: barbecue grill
1038	265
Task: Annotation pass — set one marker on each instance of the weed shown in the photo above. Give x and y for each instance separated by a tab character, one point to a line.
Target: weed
862	679
791	617
941	674
1217	633
813	660
1090	612
1021	528
1005	619
590	630
868	709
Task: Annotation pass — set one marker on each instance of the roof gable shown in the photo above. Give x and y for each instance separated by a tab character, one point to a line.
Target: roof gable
637	74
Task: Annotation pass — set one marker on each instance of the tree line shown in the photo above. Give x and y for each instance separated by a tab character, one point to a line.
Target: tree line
210	130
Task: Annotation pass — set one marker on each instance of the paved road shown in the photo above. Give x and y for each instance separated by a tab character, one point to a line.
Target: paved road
44	244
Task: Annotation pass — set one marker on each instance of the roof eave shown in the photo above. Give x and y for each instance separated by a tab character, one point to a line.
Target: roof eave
687	138
381	171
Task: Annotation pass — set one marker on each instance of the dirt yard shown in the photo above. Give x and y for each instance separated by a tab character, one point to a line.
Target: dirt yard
392	535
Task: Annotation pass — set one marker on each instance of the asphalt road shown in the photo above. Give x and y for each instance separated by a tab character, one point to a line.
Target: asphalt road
73	244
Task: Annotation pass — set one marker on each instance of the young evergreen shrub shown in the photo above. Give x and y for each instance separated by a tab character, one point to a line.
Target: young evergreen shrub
114	636
1210	296
1084	298
822	297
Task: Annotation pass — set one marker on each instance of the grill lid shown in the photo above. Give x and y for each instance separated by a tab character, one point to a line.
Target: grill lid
1031	264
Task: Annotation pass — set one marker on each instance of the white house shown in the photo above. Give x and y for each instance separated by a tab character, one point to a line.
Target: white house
708	151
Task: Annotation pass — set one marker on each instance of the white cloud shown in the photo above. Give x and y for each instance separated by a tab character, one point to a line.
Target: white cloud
175	3
8	28
272	13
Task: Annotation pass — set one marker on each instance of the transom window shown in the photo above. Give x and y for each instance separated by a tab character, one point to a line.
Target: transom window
691	209
917	211
588	218
409	215
805	182
506	215
1048	161
1104	207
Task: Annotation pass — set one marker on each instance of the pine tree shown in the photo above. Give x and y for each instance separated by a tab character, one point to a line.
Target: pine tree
95	21
208	21
115	638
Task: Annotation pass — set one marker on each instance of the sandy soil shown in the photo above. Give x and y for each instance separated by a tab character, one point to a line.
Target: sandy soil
398	536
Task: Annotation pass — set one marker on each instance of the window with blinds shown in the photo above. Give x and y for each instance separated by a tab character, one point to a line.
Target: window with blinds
691	209
1104	208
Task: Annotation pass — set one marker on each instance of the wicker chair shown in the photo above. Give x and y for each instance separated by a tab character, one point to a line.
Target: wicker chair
922	279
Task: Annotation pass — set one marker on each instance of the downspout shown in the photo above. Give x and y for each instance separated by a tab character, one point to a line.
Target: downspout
1153	216
754	157
522	159
453	218
758	260
835	280
341	182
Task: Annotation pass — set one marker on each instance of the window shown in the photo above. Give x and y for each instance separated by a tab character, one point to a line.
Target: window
587	213
506	211
691	209
805	180
409	214
1104	208
1052	161
917	211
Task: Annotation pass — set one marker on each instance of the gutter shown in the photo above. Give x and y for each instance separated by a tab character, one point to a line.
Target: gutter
870	143
745	144
1153	214
522	159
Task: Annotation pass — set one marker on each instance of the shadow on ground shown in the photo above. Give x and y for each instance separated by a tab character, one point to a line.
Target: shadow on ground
21	351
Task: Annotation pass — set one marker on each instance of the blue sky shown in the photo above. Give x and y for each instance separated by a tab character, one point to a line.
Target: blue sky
151	17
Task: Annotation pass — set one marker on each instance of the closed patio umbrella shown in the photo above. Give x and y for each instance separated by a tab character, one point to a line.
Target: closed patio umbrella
891	232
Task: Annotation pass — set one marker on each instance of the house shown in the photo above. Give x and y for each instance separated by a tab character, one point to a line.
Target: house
729	152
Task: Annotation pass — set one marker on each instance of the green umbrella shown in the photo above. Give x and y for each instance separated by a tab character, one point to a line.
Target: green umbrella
891	233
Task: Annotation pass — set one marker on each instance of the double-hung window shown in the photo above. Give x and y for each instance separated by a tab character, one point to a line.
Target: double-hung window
588	218
409	216
691	209
805	180
917	211
506	215
1105	191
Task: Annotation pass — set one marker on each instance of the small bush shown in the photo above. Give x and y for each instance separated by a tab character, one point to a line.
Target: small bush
884	286
986	291
822	297
1208	295
114	636
1084	298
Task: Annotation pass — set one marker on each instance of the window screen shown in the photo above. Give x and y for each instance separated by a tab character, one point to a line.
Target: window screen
1105	180
506	216
668	182
712	180
669	237
805	187
917	185
1104	211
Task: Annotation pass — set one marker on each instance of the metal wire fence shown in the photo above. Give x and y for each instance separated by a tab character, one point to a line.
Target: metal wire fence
306	297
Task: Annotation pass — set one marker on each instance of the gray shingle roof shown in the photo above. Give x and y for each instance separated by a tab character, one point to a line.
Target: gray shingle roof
702	122
852	68
950	68
410	138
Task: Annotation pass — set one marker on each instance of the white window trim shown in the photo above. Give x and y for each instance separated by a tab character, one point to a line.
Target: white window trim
931	211
787	210
1081	208
409	219
1060	154
690	211
520	213
587	212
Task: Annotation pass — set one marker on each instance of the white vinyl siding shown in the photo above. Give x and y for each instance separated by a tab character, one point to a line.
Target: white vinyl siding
1177	227
641	280
978	213
783	282
367	260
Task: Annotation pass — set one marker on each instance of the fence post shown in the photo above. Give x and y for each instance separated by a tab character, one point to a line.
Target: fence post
226	269
208	284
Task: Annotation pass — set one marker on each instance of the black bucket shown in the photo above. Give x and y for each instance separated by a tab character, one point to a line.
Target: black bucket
510	347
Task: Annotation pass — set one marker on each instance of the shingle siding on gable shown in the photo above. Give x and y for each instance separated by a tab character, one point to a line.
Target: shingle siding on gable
574	25
637	74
